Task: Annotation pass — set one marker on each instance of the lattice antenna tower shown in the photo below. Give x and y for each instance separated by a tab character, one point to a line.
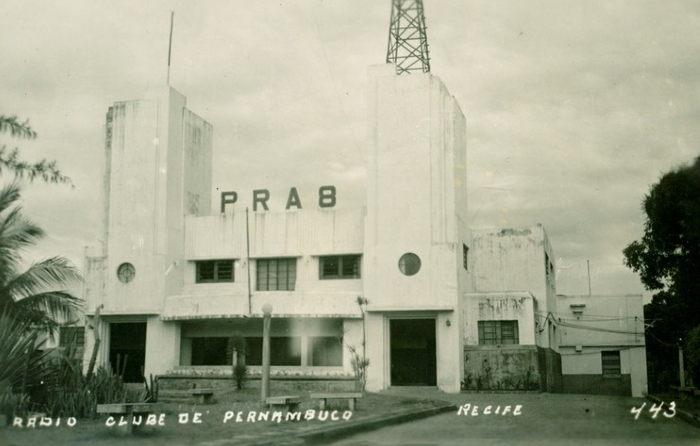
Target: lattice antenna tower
408	41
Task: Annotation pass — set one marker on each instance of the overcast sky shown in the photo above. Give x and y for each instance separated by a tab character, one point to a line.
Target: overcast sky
574	108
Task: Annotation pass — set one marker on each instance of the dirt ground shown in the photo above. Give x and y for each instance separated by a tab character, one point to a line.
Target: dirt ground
542	419
229	418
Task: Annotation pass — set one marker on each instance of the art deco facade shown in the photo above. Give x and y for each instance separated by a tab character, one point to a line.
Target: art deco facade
176	280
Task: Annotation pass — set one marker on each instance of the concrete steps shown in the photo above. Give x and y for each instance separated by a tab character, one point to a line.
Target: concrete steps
414	391
175	396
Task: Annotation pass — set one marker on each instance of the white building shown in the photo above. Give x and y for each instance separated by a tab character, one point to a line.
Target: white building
601	341
448	307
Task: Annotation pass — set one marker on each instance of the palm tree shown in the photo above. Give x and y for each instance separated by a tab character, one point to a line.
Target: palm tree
37	295
33	301
21	362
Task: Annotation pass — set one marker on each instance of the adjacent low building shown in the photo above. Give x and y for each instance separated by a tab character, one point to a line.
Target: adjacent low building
601	341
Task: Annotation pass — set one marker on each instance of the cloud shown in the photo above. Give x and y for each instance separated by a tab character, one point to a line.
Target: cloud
573	108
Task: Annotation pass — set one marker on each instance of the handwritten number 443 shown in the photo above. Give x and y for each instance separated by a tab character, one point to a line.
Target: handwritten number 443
668	413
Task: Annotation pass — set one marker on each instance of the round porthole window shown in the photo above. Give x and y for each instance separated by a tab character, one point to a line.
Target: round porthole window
126	272
409	264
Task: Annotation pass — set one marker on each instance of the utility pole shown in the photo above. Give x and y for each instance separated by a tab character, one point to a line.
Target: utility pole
170	43
265	387
408	41
588	267
681	368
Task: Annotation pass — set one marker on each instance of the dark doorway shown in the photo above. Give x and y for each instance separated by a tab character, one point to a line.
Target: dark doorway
413	355
127	350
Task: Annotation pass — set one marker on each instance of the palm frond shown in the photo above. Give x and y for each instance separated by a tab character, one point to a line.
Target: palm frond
9	195
21	360
42	287
17	231
50	310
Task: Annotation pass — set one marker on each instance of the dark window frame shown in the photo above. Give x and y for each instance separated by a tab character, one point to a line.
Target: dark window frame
280	355
282	279
342	265
216	271
498	332
409	264
548	270
210	351
68	334
611	364
465	256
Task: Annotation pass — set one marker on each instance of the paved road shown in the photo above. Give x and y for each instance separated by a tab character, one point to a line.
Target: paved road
545	419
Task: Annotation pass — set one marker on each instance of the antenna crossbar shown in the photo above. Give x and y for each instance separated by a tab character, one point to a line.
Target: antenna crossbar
408	41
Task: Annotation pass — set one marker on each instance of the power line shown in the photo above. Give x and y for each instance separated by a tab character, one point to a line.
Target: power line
550	316
674	346
605	330
602	348
607	319
593	316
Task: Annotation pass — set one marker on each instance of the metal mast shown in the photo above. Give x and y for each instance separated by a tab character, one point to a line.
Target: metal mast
408	41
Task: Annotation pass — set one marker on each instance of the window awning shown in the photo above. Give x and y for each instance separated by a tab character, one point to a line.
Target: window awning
401	309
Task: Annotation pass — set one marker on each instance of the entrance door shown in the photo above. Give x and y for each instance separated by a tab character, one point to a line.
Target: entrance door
127	349
413	353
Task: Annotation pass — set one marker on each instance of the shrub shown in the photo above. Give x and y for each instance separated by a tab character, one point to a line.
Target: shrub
359	366
468	382
12	404
77	396
21	360
532	382
67	392
240	375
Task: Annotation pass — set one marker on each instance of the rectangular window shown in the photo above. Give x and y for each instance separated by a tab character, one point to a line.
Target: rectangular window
498	332
210	351
253	351
72	341
210	271
465	256
340	267
326	351
548	270
611	364
74	335
283	351
276	274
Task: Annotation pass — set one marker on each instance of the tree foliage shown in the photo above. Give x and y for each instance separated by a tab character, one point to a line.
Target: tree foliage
35	296
9	159
21	363
667	259
693	349
38	294
668	253
34	300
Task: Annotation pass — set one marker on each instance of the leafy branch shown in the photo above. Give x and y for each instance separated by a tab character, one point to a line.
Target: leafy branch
46	170
9	159
16	128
